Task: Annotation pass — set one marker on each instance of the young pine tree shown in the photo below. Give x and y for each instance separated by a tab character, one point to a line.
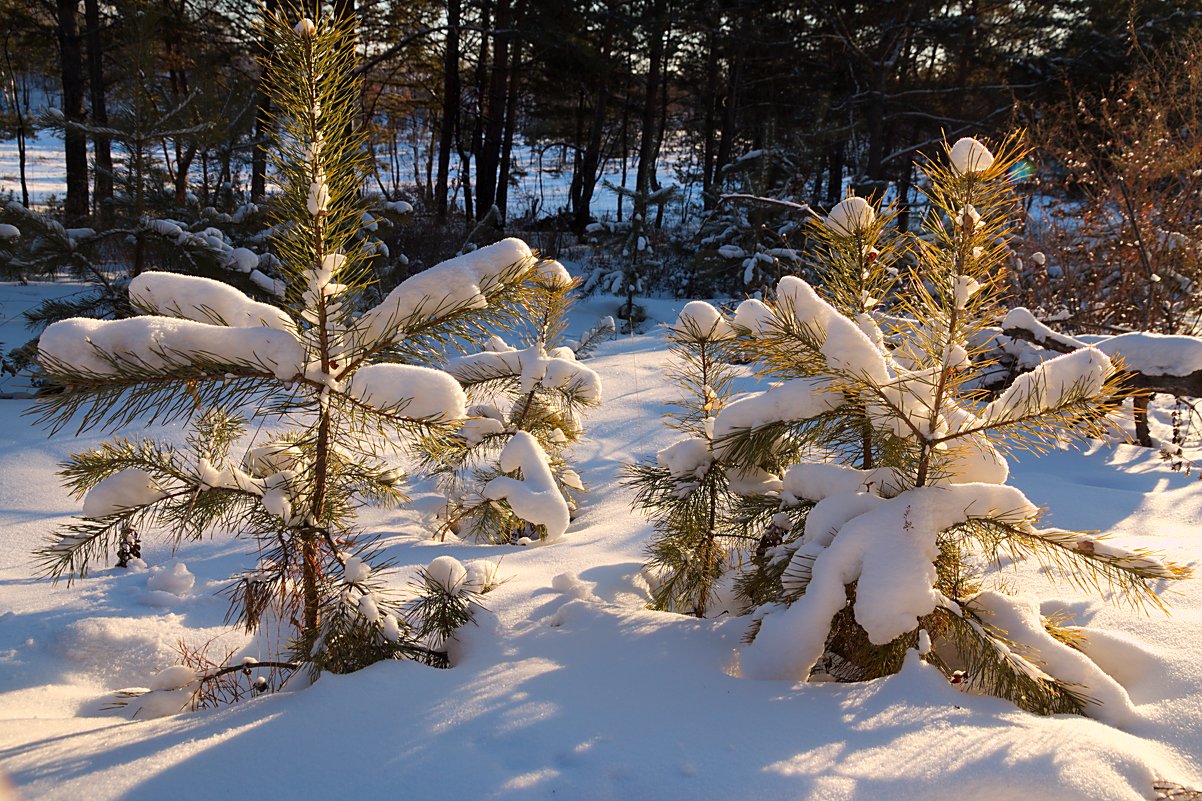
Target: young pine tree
686	489
338	382
894	525
508	476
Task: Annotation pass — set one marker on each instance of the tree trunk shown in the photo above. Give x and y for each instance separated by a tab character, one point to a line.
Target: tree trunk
258	158
511	115
646	165
493	113
75	149
12	83
709	153
102	195
450	107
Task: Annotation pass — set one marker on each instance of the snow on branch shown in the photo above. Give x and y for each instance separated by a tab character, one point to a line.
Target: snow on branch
454	285
159	345
204	300
534	497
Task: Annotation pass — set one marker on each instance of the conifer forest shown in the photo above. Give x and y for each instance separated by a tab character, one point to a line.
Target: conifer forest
613	399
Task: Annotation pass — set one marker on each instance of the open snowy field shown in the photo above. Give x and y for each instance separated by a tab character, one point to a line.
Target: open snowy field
567	687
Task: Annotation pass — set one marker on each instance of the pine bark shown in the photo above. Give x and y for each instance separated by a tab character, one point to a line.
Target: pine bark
102	195
75	148
450	106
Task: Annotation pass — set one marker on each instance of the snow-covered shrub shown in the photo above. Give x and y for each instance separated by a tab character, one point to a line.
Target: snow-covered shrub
752	236
686	490
896	486
344	383
508	475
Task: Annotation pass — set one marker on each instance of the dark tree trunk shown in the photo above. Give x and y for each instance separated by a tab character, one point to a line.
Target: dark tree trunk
834	179
493	113
709	154
102	195
647	145
75	149
469	154
258	158
511	115
450	107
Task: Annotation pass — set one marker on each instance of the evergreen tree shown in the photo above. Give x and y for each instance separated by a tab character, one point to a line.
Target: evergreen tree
891	527
508	473
344	381
686	489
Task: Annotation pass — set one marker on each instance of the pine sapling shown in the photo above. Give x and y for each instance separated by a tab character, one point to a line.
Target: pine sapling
890	558
297	410
686	490
507	473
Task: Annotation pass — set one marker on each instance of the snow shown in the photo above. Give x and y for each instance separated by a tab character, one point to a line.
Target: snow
244	260
1155	354
1020	619
843	343
798	399
1063	379
686	458
535	497
535	367
203	300
579	692
890	551
175	579
449	286
1143	352
699	317
448	572
9	231
172	678
162	345
413	391
126	489
969	156
851	216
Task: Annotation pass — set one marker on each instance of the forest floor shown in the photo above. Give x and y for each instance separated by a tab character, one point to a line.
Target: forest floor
567	686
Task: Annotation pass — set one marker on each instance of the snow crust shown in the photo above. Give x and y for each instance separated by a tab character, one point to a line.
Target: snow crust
551	695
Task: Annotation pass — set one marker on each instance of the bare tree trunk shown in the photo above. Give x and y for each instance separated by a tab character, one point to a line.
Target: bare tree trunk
102	195
493	113
12	83
75	149
450	107
511	121
258	159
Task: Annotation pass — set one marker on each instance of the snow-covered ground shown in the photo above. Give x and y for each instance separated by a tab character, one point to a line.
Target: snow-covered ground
567	686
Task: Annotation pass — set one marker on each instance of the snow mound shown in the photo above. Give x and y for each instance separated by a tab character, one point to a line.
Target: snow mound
850	216
203	300
129	488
